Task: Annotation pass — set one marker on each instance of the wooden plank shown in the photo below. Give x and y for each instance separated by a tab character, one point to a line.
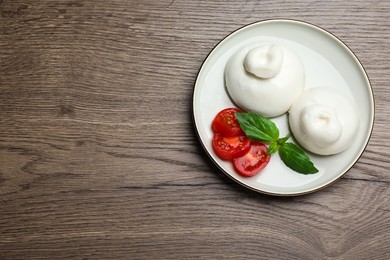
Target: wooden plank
99	158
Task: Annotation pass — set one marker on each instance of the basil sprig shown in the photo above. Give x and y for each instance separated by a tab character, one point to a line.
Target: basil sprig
260	128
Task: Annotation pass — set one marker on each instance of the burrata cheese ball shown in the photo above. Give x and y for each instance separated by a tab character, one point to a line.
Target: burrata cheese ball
264	78
324	121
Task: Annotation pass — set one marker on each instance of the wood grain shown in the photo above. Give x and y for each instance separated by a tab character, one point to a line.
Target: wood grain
99	159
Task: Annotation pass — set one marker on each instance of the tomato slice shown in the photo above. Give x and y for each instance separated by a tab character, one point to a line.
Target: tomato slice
225	123
228	148
252	162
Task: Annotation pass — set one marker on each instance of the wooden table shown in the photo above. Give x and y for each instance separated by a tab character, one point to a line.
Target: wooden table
98	154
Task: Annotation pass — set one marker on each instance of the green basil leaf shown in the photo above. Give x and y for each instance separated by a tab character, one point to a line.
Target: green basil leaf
296	159
281	141
273	147
258	127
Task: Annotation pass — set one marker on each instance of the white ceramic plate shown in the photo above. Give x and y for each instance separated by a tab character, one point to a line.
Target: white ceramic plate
327	61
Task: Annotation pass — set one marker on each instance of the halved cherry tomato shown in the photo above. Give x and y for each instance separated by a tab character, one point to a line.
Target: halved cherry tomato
252	162
226	124
228	148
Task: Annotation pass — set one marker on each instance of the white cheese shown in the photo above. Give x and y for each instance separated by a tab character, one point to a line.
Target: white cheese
323	121
264	78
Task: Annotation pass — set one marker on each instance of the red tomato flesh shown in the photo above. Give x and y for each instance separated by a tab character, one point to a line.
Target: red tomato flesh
226	124
228	148
252	162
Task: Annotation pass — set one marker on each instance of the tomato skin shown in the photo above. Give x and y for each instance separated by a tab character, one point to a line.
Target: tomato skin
226	124
228	148
252	162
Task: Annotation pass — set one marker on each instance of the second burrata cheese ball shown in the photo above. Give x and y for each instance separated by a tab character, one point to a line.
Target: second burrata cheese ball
264	78
323	121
